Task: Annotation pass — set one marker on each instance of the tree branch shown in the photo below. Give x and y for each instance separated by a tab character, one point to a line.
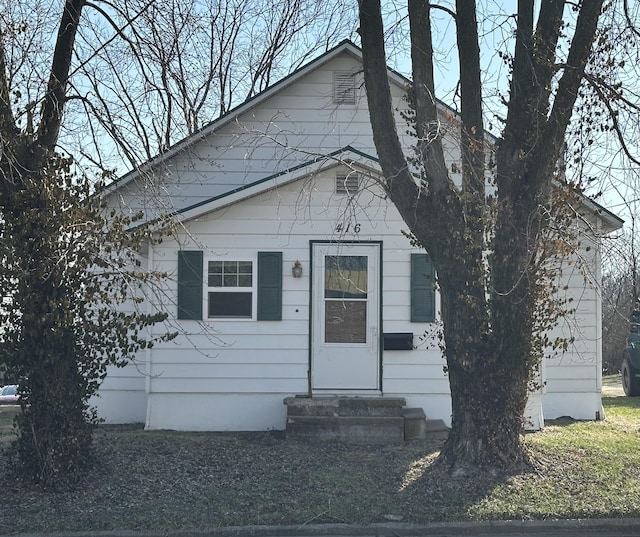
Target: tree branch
7	121
571	79
544	52
453	15
386	140
627	16
522	75
428	127
54	100
614	116
472	146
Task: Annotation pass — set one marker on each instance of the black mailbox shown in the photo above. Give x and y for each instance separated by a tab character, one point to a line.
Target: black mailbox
398	341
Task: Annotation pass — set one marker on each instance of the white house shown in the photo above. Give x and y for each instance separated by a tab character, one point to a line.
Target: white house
290	274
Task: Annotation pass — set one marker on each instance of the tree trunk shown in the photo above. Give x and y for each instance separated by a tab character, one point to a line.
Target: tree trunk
493	306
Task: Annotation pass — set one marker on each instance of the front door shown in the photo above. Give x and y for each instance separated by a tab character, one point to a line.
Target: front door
345	317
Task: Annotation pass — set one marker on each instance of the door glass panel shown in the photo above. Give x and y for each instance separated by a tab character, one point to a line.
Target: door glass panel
345	321
345	276
345	297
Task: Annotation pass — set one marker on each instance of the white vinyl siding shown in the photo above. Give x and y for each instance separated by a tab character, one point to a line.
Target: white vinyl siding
280	134
269	358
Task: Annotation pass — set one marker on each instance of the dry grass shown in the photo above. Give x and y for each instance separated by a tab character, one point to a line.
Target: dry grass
179	481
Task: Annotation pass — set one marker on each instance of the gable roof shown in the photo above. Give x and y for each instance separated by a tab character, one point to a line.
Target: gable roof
346	154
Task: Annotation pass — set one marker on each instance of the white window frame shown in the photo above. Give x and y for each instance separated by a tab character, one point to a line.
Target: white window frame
231	289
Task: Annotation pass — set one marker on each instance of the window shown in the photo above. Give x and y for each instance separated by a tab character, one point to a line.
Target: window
230	289
344	88
347	183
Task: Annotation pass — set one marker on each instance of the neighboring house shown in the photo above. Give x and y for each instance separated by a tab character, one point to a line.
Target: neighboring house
290	273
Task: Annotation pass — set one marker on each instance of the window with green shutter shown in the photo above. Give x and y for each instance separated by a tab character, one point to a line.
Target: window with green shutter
190	284
423	295
232	287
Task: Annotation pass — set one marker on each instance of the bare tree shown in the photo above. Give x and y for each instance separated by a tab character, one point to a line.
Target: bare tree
495	307
183	63
620	291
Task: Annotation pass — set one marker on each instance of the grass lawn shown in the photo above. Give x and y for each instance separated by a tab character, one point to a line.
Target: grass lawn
181	481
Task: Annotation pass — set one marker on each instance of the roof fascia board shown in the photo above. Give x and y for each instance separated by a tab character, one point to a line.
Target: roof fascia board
611	221
346	156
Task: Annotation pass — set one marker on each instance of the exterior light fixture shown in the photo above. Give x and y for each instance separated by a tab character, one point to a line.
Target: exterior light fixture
296	270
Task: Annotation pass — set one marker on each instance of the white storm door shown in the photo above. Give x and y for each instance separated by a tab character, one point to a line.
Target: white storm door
345	341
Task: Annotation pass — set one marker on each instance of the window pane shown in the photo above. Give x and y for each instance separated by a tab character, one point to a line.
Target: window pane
215	274
230	280
226	304
244	267
345	321
215	266
244	280
345	276
230	267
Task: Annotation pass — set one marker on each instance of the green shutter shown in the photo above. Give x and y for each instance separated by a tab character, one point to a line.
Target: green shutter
190	284
423	295
269	286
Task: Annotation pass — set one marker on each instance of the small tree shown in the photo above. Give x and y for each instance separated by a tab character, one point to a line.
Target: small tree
75	285
619	293
67	268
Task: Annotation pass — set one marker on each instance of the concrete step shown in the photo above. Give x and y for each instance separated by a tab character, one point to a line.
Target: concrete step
355	429
345	406
375	420
416	425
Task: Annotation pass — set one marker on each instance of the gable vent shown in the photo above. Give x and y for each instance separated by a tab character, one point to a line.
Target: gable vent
347	184
344	88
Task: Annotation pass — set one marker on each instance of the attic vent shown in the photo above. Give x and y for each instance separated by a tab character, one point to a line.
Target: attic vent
347	184
344	88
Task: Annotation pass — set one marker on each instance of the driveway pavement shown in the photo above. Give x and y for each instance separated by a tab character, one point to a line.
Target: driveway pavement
612	387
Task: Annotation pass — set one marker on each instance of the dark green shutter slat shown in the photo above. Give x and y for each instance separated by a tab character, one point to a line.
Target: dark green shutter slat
269	286
423	296
190	282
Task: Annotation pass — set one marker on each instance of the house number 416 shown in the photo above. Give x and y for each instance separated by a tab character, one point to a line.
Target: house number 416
353	227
